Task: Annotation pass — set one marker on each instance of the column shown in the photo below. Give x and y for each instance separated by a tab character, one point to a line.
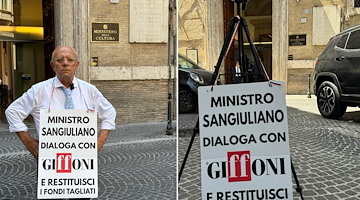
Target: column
280	37
72	28
215	32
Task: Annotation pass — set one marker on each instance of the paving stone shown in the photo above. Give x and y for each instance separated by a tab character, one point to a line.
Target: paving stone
320	191
333	190
342	196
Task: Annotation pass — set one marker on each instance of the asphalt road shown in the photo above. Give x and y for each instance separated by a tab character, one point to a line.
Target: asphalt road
325	153
138	162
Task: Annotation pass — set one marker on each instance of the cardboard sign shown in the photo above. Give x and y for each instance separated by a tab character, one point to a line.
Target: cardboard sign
244	142
67	164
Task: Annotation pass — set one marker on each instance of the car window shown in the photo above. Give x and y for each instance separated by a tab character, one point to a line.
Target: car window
342	41
184	64
354	40
329	49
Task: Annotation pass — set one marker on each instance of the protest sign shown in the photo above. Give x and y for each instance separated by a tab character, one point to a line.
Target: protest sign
244	142
67	164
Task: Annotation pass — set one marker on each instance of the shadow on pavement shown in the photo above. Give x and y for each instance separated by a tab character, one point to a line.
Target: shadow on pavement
351	116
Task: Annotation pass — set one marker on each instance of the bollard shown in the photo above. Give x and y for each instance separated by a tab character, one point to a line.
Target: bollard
308	92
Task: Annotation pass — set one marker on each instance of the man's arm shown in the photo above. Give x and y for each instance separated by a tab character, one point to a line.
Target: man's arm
107	114
30	143
102	138
19	110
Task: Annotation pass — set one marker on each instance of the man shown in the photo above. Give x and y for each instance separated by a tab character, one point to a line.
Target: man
236	73
50	94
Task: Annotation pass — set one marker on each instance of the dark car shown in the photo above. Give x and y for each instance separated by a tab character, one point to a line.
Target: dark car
191	76
337	74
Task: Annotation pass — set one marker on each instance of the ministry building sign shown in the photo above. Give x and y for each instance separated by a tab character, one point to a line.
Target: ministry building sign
105	32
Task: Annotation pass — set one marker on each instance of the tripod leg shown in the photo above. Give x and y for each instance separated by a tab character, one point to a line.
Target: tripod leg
196	130
298	187
226	46
229	38
259	65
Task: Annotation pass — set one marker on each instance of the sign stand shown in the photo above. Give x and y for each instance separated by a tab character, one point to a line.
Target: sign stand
238	24
298	187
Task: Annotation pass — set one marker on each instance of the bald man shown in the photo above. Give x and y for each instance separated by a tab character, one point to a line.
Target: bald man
50	94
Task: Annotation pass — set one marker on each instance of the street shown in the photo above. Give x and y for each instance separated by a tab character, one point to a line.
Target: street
325	153
137	162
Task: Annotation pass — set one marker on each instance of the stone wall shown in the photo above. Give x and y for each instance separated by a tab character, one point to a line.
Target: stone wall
298	80
137	101
192	29
300	20
122	53
132	76
303	10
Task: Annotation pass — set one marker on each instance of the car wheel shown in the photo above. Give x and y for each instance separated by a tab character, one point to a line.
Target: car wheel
328	101
186	100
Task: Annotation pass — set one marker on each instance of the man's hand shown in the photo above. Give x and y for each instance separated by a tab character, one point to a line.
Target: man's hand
102	138
30	143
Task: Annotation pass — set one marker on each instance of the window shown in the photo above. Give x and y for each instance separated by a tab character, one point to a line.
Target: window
342	41
354	40
5	5
329	49
356	3
184	64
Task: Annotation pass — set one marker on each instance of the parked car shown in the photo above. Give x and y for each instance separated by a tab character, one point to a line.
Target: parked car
191	76
337	74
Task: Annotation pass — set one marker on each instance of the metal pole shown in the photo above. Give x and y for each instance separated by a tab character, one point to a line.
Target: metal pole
195	131
308	92
240	49
169	129
228	40
175	48
254	52
298	187
226	46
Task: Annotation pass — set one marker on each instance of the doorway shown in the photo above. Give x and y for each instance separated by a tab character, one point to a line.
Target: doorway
29	66
258	15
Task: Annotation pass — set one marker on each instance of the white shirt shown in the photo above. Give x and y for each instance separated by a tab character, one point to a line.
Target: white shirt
238	71
48	94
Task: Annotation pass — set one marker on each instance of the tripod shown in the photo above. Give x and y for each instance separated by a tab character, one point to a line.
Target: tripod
239	25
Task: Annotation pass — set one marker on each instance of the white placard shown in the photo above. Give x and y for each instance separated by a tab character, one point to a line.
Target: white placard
244	142
67	164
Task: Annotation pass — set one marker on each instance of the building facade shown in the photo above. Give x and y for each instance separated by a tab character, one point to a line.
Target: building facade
122	51
289	35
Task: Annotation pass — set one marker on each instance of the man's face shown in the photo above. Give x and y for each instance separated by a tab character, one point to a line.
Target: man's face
64	63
